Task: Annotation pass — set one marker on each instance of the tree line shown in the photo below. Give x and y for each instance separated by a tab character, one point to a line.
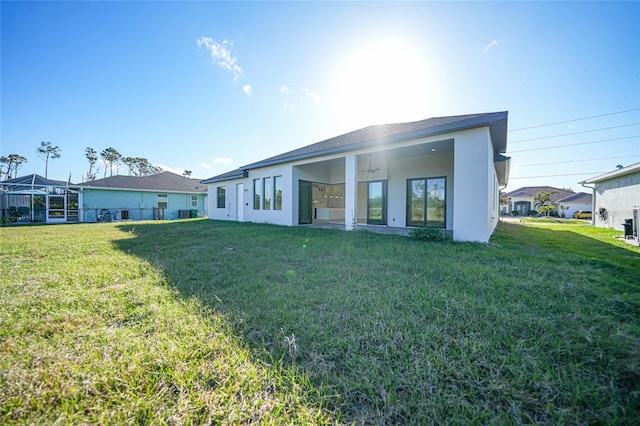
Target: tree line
10	164
111	158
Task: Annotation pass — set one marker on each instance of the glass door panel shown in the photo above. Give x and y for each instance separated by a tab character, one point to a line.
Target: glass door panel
304	203
72	207
376	203
435	202
56	207
415	196
426	202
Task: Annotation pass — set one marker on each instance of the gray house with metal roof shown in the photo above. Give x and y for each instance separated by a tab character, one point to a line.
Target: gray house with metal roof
443	172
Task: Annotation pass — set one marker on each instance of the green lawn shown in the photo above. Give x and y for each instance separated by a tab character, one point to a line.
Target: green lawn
200	321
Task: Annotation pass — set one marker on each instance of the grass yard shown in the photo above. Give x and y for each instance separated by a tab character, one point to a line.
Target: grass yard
199	321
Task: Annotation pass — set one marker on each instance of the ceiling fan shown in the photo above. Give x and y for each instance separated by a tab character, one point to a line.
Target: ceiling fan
370	170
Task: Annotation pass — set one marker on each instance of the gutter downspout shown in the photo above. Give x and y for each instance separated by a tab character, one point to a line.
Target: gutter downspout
499	198
593	209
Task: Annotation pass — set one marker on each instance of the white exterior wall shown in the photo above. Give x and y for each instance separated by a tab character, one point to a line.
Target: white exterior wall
570	209
424	166
474	218
229	211
249	214
472	200
618	196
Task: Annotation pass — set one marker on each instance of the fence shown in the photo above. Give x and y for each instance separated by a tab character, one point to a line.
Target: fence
24	214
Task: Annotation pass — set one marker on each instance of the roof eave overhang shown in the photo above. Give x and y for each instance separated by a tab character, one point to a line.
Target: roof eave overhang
222	178
497	123
634	168
503	167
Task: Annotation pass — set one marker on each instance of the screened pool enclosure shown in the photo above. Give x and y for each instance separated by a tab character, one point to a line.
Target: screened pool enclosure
33	198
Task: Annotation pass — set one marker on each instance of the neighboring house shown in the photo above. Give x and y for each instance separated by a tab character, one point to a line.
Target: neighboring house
443	172
616	195
164	195
34	198
522	200
571	204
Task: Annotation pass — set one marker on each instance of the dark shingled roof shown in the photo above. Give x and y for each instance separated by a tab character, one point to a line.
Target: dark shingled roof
386	134
233	174
165	181
579	198
35	180
531	191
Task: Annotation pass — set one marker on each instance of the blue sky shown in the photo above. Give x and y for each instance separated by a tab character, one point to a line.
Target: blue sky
209	87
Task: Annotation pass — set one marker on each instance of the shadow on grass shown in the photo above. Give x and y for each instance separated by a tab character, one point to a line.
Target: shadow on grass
389	330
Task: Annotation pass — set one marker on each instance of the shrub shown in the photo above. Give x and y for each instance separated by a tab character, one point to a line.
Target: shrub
533	212
428	233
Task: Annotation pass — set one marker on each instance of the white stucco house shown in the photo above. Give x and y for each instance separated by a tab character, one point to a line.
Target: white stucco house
615	196
444	172
523	200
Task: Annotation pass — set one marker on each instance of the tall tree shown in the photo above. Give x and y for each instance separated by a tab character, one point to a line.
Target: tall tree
46	151
111	157
145	168
130	162
5	167
92	156
10	165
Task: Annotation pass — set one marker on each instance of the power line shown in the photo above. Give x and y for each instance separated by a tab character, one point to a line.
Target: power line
568	174
574	133
576	119
573	144
578	161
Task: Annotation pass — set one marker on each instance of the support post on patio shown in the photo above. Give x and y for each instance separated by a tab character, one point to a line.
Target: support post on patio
350	193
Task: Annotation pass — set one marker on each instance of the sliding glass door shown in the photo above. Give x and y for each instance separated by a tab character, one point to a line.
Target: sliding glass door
304	203
377	203
426	202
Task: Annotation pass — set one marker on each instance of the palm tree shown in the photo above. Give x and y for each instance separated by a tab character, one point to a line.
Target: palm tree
542	199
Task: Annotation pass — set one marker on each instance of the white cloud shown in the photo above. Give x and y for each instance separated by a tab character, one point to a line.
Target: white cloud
490	45
178	171
222	160
248	90
313	95
219	164
221	54
285	90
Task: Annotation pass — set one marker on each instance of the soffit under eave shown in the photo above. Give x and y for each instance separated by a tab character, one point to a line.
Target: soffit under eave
503	167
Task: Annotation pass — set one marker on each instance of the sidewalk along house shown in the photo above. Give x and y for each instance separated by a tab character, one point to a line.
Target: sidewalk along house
616	197
33	198
443	172
164	195
522	200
